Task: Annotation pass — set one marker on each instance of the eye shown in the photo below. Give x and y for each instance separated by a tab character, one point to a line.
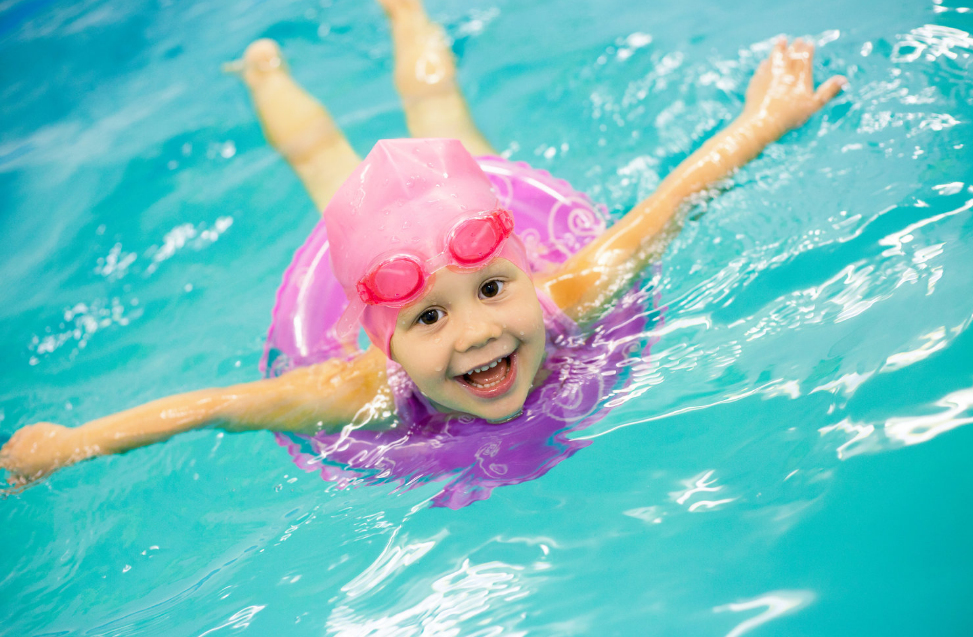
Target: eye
491	288
430	316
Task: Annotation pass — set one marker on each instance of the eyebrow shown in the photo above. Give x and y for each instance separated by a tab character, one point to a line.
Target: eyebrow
414	311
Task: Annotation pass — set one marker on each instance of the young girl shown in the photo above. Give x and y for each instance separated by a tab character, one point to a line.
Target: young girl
460	324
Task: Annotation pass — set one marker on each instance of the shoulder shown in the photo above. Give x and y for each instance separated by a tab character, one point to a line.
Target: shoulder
570	289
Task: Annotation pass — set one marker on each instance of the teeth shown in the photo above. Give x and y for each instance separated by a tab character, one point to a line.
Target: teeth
487	386
486	367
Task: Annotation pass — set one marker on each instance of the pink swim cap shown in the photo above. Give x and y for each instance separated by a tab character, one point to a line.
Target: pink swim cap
409	204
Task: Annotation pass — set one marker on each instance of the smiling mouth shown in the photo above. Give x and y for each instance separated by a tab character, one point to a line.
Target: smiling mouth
491	380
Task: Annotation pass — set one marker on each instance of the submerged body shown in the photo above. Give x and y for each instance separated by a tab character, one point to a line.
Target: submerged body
580	373
448	340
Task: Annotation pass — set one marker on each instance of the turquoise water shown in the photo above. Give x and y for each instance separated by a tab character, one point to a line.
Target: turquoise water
791	460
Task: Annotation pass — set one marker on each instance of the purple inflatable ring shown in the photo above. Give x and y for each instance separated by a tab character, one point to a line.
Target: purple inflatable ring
469	454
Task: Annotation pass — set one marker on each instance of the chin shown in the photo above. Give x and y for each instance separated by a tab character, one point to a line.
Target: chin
500	411
510	404
507	418
505	414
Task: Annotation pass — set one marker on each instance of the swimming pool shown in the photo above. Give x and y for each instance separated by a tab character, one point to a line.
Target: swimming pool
791	459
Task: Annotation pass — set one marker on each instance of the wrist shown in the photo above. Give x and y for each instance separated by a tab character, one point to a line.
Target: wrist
85	441
759	127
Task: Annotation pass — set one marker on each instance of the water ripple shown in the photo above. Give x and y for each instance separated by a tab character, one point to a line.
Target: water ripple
933	41
777	603
455	599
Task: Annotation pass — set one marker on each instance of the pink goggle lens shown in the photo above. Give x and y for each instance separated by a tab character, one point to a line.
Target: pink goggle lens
401	279
476	240
394	281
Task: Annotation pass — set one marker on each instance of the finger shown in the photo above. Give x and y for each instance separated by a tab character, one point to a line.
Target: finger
778	55
799	64
759	80
796	54
803	51
829	89
807	51
16	483
762	69
761	72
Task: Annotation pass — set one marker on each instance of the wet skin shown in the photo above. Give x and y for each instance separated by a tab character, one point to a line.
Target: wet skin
465	322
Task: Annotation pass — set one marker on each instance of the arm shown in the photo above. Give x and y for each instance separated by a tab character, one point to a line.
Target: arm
309	399
780	97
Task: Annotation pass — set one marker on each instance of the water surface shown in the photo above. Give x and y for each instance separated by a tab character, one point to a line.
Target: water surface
791	460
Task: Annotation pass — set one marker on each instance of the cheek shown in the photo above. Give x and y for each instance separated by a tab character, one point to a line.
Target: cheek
424	362
530	321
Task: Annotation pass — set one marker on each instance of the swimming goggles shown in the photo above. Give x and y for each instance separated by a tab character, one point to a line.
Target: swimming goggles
399	280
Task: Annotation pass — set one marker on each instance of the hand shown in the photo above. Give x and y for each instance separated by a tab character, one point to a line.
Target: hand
38	450
781	95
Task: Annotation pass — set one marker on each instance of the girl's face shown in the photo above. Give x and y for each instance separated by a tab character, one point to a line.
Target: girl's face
475	341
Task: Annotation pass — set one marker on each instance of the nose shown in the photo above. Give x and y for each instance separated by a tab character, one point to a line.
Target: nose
477	329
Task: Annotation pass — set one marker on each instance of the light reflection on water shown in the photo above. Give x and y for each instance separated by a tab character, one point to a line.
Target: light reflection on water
777	604
812	369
